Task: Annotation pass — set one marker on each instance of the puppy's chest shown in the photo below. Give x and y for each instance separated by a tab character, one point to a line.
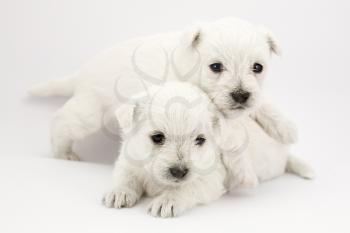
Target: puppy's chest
152	188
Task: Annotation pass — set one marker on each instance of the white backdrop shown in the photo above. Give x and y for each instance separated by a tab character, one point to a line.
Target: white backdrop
43	39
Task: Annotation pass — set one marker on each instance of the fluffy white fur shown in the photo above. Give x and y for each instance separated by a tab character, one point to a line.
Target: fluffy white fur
127	68
182	112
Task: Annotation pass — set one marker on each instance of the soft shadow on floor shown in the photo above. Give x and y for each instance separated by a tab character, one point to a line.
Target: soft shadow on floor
98	148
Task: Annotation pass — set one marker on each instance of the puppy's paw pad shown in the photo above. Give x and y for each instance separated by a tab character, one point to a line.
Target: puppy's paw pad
165	207
119	199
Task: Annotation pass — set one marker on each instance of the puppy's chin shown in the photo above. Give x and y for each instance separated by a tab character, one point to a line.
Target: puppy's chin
173	182
241	110
177	183
235	112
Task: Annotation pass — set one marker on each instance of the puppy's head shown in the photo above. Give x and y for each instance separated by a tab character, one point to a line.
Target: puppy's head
171	133
233	56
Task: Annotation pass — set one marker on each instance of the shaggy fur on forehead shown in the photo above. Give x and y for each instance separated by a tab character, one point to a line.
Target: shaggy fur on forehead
235	35
175	108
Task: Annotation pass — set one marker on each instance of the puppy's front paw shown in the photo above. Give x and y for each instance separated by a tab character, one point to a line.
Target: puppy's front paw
286	133
120	199
165	206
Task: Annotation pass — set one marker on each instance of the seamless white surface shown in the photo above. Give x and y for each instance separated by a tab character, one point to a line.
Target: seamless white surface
47	195
47	39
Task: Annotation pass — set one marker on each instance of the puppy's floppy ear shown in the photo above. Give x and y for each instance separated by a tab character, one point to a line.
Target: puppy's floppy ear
127	115
192	36
271	40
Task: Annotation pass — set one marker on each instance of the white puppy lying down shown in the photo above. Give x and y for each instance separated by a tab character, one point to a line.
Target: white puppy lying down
168	152
227	59
172	147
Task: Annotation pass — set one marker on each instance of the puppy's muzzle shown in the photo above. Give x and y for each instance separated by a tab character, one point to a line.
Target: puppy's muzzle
240	96
178	172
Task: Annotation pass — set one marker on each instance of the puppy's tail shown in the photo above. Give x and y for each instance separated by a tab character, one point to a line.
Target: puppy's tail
61	87
300	168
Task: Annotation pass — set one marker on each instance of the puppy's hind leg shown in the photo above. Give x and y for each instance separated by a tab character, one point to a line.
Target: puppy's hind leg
240	172
300	168
78	118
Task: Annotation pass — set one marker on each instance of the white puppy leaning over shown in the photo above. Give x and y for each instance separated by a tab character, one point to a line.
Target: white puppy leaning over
172	144
228	59
168	152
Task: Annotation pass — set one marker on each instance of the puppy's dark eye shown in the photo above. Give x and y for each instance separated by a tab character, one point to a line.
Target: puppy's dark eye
216	67
257	68
158	138
200	140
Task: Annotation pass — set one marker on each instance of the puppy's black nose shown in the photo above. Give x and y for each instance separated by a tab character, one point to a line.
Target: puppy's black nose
240	96
178	172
